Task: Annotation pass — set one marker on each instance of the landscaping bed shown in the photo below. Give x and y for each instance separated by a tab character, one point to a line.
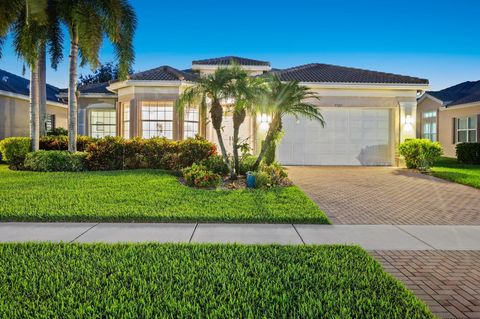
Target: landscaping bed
143	196
198	281
452	170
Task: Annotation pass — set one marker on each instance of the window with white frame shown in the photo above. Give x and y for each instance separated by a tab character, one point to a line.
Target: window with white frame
126	120
429	129
157	119
191	122
50	122
466	129
102	123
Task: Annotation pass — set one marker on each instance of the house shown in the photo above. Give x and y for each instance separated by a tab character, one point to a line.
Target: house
15	106
450	116
367	113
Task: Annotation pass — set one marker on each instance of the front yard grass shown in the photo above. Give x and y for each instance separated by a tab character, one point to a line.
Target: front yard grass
198	281
450	169
143	196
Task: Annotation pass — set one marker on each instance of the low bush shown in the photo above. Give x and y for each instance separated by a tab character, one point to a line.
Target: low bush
60	142
270	176
468	153
58	131
106	154
216	164
246	163
420	153
193	150
199	176
14	150
55	161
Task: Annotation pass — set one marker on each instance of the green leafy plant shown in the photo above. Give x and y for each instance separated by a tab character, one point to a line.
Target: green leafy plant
468	153
270	176
58	131
14	150
55	161
106	154
60	142
247	163
420	153
216	164
199	176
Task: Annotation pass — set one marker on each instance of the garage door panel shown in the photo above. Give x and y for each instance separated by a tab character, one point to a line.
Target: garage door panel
351	137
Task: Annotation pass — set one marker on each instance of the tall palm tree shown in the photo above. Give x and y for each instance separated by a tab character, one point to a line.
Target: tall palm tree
217	88
286	98
34	26
88	21
247	92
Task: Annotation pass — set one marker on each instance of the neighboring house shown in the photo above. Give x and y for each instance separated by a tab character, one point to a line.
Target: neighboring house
15	106
450	116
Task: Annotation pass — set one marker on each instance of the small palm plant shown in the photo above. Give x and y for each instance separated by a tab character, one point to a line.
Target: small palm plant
286	98
215	87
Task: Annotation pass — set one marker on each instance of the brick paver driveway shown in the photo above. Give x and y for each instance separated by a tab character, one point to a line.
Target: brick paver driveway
385	195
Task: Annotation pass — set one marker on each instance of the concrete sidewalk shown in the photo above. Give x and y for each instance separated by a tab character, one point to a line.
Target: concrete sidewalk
370	237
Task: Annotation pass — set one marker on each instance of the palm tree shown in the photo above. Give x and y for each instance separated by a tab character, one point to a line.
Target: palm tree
88	21
34	26
217	88
286	98
247	93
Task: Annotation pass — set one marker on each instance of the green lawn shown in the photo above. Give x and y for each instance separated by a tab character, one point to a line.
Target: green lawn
452	170
143	195
198	281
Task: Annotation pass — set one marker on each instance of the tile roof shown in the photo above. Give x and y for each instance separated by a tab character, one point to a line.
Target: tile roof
462	93
326	73
100	88
164	73
227	60
16	84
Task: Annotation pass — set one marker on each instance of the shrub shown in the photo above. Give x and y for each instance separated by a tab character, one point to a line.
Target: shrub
58	131
194	150
199	176
60	142
216	164
468	153
246	163
133	156
55	161
14	150
262	180
420	153
155	151
270	176
106	154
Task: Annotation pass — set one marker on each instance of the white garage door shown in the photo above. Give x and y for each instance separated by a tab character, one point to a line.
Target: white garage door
352	136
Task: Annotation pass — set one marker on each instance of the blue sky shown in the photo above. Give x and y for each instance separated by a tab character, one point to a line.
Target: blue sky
434	39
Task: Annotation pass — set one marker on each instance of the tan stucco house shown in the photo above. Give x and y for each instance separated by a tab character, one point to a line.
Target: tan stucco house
367	113
450	116
15	106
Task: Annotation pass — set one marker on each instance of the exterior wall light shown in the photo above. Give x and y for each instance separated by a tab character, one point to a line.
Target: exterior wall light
264	120
408	123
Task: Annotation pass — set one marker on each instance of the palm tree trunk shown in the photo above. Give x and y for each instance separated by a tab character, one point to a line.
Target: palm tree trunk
72	92
273	129
216	112
238	119
34	108
42	85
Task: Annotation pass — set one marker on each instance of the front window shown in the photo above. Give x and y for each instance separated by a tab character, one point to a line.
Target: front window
190	124
430	125
126	121
157	119
50	122
466	129
102	123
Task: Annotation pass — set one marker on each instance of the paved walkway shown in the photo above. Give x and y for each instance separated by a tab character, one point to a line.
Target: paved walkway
370	237
386	195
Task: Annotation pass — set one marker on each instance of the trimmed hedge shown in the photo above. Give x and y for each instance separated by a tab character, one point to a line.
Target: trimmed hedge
115	153
55	161
468	153
60	143
420	153
14	150
49	280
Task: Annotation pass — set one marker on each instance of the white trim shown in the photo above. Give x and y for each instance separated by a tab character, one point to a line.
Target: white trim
90	95
460	106
27	98
118	85
104	106
426	95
